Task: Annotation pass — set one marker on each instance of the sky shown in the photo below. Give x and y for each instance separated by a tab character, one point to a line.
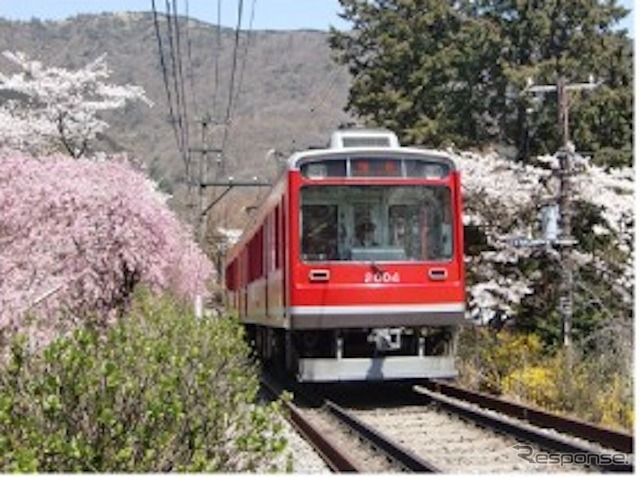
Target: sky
269	14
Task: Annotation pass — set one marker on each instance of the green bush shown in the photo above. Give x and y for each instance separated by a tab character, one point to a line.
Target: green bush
597	389
159	391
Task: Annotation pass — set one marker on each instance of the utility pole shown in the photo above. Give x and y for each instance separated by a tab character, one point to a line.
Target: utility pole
204	183
200	224
565	157
564	202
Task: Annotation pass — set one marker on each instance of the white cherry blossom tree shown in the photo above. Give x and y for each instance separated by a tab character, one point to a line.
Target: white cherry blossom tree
44	110
502	201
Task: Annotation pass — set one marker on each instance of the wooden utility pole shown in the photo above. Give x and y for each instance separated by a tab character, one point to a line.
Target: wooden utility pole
565	157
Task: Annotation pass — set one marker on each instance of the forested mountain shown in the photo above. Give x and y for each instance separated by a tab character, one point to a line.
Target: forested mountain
291	93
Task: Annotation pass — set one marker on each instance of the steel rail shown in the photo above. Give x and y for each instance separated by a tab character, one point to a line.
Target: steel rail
528	433
403	456
334	458
330	454
609	438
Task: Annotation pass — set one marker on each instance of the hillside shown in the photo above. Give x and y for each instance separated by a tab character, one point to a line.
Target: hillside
292	94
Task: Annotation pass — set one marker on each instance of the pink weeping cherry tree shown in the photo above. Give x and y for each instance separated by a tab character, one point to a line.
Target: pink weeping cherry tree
76	238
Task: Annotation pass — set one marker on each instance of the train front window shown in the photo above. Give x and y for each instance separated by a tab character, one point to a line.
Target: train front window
376	223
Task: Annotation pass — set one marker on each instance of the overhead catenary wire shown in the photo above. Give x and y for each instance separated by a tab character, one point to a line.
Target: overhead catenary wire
234	64
181	91
190	68
234	67
165	76
238	89
246	51
235	82
173	68
217	50
319	98
175	53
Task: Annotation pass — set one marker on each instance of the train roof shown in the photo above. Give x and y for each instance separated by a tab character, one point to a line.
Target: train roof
362	142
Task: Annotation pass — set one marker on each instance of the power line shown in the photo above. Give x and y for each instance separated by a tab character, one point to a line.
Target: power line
319	98
190	68
181	82
178	117
246	50
238	90
165	75
175	84
177	79
218	50
234	67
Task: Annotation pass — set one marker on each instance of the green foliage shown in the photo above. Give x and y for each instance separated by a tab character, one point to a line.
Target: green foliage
413	68
596	302
593	387
578	387
443	71
160	391
487	356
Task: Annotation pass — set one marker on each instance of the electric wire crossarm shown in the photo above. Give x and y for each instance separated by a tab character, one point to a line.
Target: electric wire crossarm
229	186
232	183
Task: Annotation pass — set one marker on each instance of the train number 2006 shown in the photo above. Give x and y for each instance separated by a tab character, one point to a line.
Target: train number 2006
382	277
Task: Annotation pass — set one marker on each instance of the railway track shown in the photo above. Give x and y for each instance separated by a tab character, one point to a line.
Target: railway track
442	428
346	443
606	438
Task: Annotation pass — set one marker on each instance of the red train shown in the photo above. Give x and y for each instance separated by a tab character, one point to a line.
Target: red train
353	266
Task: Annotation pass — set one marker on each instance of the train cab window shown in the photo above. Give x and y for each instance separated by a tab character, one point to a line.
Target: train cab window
319	232
423	227
376	223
